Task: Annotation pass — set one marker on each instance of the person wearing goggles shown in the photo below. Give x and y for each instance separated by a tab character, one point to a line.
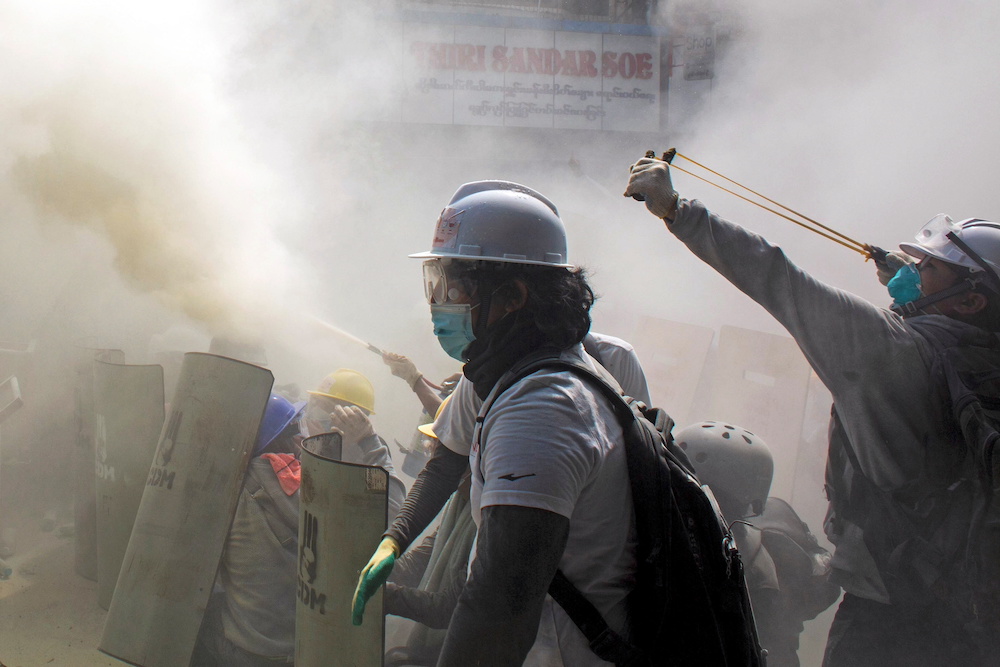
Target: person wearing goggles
549	486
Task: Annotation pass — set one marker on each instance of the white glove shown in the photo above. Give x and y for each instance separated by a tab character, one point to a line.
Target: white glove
402	367
650	179
894	261
352	422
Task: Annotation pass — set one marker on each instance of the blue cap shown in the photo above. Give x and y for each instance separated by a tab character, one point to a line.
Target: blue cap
280	412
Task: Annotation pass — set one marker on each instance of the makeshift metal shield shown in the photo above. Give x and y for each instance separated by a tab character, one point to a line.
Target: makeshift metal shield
760	382
672	371
343	513
187	507
128	417
85	493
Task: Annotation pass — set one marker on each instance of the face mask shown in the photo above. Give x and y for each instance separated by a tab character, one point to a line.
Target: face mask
904	287
453	328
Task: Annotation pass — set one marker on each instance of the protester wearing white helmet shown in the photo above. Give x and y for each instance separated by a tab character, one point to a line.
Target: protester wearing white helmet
733	462
901	480
549	485
786	569
969	251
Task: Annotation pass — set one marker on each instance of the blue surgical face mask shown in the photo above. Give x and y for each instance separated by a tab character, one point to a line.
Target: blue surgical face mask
904	287
453	328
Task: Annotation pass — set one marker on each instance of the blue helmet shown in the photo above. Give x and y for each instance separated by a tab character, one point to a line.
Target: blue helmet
280	412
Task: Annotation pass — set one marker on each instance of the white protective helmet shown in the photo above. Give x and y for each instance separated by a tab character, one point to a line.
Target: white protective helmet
972	243
499	221
732	461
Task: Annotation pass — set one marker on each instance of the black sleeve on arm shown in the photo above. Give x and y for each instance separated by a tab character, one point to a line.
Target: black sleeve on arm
432	608
436	482
496	620
409	568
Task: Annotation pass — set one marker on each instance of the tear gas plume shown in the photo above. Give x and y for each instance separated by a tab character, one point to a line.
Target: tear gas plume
122	128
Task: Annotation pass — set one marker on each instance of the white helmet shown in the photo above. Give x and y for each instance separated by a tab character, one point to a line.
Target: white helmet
972	243
732	461
499	221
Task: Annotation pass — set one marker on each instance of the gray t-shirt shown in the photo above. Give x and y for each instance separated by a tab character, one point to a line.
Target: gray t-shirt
551	442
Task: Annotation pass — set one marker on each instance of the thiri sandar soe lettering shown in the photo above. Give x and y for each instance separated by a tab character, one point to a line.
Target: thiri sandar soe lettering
528	60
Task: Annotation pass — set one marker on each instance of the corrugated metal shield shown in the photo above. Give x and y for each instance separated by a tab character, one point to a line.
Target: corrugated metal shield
128	417
186	510
760	382
342	515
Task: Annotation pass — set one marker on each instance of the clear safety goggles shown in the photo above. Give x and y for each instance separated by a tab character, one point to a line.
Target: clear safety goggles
444	282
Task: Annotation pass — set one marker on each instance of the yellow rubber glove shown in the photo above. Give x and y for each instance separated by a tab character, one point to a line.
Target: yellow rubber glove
373	576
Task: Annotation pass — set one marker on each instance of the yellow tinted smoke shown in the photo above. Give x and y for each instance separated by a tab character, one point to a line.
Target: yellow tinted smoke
149	252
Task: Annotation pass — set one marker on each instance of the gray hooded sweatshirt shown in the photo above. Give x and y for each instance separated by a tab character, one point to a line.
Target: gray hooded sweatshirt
873	362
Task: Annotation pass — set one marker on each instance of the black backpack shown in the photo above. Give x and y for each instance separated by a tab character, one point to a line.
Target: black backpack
690	604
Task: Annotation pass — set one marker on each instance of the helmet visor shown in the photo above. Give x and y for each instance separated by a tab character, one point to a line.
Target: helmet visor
932	239
318	418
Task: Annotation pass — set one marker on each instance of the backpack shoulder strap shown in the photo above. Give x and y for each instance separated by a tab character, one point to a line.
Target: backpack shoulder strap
604	642
548	359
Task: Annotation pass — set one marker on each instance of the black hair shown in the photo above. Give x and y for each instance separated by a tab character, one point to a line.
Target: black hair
989	317
559	299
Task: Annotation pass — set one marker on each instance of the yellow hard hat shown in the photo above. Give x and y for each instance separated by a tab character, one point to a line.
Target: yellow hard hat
428	429
347	385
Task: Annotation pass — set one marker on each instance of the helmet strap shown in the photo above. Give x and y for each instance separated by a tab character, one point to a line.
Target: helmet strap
917	307
992	281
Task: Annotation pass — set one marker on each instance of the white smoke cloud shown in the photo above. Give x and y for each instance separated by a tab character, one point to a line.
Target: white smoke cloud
226	165
871	117
230	160
117	122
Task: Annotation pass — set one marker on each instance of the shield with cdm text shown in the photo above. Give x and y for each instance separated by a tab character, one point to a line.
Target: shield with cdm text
343	512
187	506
